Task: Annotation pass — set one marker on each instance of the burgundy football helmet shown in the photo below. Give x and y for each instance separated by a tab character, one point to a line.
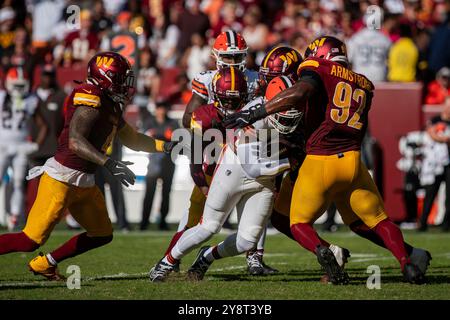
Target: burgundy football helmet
112	73
229	87
280	61
329	48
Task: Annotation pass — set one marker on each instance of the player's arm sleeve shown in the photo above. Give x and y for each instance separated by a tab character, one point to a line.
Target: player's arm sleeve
138	141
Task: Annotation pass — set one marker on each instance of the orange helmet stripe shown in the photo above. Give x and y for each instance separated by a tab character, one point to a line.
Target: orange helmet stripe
233	80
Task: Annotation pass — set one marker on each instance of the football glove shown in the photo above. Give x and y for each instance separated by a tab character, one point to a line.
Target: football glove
120	171
244	118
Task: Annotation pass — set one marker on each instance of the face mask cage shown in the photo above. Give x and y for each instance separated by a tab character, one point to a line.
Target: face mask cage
230	102
125	90
18	87
285	122
239	56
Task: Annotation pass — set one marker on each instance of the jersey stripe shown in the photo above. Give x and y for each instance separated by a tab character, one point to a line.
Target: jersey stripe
86	99
308	63
198	83
287	82
201	90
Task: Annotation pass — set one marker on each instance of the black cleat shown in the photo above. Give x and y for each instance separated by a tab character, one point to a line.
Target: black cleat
160	271
412	274
336	274
199	267
256	265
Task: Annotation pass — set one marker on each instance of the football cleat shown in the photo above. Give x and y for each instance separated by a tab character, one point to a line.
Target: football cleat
341	255
199	267
41	266
412	274
335	273
421	258
160	271
256	265
176	267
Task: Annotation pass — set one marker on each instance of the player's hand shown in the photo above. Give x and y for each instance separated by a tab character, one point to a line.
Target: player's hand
238	120
244	118
120	171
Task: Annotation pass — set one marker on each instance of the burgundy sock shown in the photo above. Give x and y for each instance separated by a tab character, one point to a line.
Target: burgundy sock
281	223
78	245
393	240
174	241
16	242
171	259
364	231
323	242
306	236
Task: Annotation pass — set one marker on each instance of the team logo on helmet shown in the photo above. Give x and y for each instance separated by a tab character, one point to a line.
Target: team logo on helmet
277	62
112	73
328	48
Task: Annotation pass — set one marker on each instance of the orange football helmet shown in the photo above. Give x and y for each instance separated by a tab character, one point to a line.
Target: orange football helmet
17	82
284	122
230	49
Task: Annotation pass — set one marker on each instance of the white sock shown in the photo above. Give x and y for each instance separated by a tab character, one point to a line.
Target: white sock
51	260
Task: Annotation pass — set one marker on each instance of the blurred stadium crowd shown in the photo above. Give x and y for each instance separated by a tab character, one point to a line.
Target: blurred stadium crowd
169	42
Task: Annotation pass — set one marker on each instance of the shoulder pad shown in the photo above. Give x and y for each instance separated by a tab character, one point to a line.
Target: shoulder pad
310	63
87	95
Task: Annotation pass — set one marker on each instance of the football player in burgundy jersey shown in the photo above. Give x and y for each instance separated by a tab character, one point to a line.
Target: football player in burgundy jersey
335	101
93	117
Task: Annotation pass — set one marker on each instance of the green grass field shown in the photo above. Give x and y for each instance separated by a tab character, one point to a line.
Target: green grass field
119	271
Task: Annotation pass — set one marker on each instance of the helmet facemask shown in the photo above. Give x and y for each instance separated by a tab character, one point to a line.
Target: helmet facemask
229	103
124	89
238	56
285	122
17	87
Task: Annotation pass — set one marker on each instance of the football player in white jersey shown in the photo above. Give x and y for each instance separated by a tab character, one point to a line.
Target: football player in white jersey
244	179
229	50
17	108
